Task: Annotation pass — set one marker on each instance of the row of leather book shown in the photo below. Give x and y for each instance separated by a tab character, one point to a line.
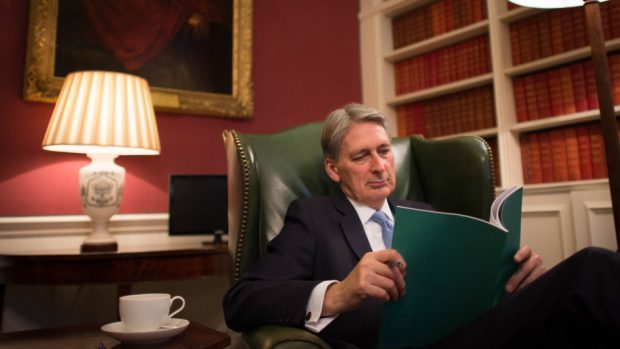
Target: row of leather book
562	90
435	19
562	154
450	114
449	64
557	31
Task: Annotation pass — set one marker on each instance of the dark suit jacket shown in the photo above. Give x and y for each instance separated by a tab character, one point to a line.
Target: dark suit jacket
322	239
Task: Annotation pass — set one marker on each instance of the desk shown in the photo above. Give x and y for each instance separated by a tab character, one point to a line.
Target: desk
196	336
123	267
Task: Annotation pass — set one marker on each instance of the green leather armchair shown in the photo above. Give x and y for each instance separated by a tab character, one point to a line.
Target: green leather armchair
266	172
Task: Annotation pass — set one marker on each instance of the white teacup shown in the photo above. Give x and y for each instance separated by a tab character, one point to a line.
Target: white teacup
147	312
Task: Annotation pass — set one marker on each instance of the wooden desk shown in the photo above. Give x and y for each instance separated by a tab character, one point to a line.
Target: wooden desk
196	336
123	267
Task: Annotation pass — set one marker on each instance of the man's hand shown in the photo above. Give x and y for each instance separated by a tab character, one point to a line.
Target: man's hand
378	274
530	268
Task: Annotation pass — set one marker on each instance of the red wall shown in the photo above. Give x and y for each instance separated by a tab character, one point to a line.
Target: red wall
305	63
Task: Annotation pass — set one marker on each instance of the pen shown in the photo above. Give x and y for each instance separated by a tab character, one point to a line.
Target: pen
394	264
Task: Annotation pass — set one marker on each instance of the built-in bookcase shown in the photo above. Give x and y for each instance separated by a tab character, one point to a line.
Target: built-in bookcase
496	70
520	78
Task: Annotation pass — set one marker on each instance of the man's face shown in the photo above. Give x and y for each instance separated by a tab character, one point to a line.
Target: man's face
365	165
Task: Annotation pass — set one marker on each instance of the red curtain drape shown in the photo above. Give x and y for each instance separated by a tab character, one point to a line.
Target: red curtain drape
137	30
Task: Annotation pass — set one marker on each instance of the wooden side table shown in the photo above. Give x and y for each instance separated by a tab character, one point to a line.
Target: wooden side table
123	267
196	336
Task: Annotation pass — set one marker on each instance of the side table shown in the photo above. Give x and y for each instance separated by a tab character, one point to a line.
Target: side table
196	336
123	267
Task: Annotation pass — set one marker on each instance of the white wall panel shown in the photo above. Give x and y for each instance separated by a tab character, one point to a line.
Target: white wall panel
594	225
546	229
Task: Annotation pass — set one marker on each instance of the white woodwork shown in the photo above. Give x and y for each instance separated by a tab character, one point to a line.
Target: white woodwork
45	233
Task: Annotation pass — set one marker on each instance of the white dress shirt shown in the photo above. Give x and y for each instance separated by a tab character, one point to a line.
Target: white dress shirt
314	321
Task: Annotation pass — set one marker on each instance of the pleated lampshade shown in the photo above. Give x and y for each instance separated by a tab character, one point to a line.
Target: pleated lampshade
103	112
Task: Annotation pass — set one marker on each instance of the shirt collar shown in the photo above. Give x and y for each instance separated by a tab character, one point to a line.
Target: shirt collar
365	212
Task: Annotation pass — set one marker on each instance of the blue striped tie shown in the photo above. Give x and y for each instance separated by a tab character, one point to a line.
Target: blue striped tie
387	229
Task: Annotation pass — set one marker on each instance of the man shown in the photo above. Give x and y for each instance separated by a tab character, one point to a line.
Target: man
329	269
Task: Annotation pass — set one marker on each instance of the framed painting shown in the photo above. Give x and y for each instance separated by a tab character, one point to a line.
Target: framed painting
195	54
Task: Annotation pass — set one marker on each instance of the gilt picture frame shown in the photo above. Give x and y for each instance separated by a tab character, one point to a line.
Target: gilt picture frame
42	82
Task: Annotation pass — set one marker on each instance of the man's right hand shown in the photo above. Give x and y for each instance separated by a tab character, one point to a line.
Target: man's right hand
378	274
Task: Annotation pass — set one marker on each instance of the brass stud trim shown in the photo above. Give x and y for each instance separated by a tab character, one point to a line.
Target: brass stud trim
244	203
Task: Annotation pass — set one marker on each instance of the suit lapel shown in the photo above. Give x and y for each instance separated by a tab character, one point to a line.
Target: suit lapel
351	226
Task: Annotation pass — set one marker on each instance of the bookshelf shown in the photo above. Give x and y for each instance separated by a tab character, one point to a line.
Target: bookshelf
508	74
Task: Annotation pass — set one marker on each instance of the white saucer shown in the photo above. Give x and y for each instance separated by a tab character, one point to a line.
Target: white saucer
172	328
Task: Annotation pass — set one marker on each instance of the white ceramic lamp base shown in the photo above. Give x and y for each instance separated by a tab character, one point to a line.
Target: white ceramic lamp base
101	190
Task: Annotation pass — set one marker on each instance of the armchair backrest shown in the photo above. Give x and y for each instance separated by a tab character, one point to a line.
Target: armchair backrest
267	172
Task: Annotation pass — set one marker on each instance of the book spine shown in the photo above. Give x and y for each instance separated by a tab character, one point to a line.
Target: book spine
537	171
515	45
428	23
443	17
579	27
471	109
558	152
546	156
542	95
468	10
534	37
401	77
585	154
488	107
526	158
418	117
525	39
518	85
614	66
530	97
457	8
555	92
572	154
544	30
580	94
478	11
419	23
599	168
468	115
402	121
447	117
590	85
568	32
398	32
436	18
448	11
479	105
567	90
457	117
557	45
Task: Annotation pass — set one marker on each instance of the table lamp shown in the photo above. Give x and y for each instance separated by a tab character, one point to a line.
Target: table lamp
103	115
609	128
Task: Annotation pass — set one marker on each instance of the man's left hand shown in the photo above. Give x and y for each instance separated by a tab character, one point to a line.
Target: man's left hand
531	266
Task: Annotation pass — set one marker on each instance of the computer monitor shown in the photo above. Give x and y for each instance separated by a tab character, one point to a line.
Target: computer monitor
198	205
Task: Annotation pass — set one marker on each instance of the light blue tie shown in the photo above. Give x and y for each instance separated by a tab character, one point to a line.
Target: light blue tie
387	229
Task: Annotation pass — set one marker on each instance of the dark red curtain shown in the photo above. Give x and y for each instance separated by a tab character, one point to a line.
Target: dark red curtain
137	30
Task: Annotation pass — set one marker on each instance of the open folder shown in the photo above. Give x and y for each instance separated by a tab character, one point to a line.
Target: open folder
457	267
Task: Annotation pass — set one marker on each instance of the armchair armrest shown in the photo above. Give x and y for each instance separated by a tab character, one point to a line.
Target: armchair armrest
282	337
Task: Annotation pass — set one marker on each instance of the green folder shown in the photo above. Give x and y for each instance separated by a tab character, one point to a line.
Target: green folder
457	267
